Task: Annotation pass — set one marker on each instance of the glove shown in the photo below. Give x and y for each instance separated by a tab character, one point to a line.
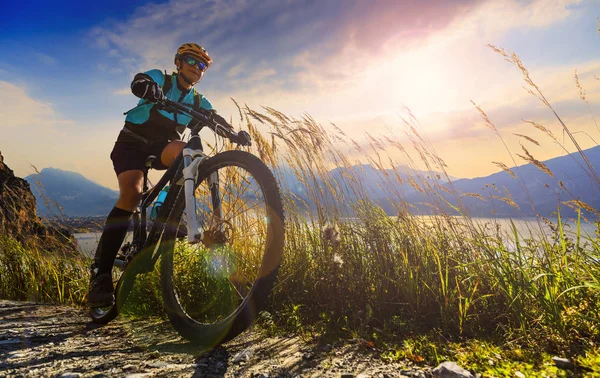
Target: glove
220	120
243	138
143	87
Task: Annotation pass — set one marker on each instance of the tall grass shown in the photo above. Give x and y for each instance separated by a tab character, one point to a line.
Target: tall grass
30	273
399	274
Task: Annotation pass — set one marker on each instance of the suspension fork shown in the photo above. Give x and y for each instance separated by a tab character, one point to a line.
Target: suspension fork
191	159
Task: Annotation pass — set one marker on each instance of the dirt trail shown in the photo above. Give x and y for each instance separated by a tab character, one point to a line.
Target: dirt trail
40	340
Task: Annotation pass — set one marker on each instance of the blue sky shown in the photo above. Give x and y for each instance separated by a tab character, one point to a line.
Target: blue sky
65	69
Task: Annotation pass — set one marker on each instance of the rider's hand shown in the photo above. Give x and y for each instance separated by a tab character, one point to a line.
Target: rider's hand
147	89
220	120
243	138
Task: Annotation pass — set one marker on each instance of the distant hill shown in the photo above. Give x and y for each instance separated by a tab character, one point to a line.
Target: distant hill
483	196
77	195
380	186
541	190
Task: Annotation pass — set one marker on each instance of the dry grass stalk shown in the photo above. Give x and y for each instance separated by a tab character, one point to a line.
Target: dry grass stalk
542	128
575	204
527	138
581	91
562	185
476	195
507	200
541	166
535	91
443	188
505	168
238	108
279	115
487	121
413	183
582	96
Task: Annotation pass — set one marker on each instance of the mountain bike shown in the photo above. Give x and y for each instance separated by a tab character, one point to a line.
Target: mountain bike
219	235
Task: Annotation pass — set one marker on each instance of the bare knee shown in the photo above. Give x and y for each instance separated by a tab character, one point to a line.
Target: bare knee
130	197
130	189
170	152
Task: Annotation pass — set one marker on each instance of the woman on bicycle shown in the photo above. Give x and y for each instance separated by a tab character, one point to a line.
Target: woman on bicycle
148	131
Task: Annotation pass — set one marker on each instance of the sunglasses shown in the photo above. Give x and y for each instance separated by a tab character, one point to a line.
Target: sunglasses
202	66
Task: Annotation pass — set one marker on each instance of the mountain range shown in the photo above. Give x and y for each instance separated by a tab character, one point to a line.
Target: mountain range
508	193
60	192
544	185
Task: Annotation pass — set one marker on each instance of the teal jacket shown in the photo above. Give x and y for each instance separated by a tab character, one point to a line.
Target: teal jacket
158	125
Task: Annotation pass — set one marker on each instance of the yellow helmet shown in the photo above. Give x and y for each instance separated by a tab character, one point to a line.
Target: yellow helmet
195	50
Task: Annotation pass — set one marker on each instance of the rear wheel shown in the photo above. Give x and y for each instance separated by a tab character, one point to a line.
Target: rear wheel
213	290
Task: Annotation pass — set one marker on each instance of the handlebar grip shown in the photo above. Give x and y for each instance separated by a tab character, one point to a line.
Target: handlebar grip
242	138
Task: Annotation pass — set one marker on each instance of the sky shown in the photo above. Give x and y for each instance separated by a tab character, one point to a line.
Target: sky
66	66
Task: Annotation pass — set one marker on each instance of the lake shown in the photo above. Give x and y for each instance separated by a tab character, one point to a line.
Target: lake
87	242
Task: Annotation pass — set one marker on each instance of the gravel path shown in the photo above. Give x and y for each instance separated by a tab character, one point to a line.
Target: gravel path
40	340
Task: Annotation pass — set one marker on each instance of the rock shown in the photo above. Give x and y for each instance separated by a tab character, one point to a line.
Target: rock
563	363
157	364
518	374
449	369
10	341
244	355
69	375
18	217
411	373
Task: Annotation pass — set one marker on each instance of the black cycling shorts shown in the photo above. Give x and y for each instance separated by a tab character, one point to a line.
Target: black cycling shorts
127	156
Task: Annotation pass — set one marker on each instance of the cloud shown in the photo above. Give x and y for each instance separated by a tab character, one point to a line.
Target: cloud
272	32
46	59
19	110
235	70
123	91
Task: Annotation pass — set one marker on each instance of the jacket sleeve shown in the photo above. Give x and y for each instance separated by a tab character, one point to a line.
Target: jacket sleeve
205	104
140	82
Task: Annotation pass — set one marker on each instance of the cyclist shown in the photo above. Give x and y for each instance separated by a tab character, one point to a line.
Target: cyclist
148	131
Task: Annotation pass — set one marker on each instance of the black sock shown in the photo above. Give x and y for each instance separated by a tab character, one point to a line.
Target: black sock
112	237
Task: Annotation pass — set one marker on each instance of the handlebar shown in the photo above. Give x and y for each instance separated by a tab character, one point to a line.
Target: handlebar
206	117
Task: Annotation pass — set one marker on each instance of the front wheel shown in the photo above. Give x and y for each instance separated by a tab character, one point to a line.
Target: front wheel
213	290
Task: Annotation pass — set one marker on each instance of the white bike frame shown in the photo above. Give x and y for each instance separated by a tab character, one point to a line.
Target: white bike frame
191	159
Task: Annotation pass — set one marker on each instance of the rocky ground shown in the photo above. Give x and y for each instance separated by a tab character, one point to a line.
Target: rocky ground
40	340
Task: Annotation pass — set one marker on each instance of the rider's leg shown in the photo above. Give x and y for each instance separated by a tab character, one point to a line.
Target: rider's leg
130	193
113	234
117	222
126	158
